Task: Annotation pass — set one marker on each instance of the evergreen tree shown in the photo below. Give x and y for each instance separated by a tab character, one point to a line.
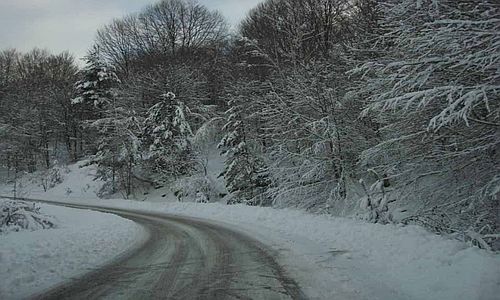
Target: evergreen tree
247	177
97	101
118	150
95	88
167	133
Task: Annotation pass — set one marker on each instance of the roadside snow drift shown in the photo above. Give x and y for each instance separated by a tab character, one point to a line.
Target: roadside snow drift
32	261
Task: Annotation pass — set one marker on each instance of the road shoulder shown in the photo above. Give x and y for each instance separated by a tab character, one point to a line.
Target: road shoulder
33	261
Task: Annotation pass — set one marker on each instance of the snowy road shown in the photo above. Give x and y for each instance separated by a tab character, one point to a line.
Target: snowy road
184	258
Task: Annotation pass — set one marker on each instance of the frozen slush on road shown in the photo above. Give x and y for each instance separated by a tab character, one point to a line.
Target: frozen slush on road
34	259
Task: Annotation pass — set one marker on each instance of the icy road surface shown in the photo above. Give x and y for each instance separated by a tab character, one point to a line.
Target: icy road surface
184	258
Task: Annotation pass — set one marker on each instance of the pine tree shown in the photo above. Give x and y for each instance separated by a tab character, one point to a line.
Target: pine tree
118	149
95	88
247	177
167	135
96	99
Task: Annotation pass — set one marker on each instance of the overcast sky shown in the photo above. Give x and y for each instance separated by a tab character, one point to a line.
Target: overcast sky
59	25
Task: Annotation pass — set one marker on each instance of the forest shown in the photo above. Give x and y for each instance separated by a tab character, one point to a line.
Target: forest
383	110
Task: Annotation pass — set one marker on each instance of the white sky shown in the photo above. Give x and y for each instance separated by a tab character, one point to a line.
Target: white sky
59	25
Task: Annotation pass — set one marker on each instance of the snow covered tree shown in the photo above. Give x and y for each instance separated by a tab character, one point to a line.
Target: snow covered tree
313	136
118	150
95	88
34	92
434	91
297	30
95	98
111	128
167	135
162	32
246	176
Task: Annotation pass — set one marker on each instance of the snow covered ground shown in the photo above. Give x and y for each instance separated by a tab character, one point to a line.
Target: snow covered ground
32	261
333	258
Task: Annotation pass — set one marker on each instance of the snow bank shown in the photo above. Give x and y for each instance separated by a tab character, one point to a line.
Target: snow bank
32	261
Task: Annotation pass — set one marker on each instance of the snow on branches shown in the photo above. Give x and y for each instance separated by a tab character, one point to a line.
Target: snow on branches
95	86
246	176
433	86
167	133
443	56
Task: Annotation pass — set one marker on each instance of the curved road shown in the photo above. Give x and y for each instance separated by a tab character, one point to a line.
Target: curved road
183	258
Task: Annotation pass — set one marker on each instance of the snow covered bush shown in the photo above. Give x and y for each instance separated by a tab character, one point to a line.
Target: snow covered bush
196	188
52	177
376	203
18	215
